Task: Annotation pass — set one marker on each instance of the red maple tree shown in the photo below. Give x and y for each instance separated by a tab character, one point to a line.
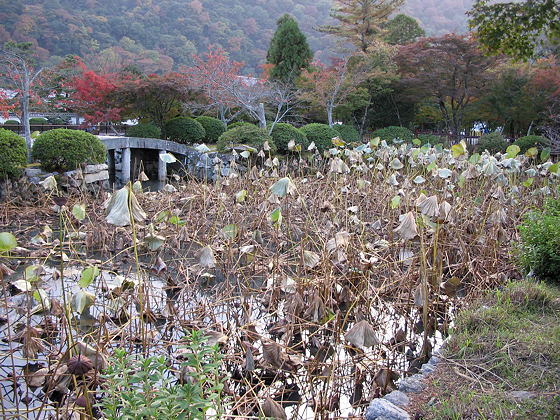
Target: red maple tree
92	95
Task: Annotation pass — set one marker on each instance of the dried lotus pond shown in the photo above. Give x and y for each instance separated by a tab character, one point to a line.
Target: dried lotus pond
321	280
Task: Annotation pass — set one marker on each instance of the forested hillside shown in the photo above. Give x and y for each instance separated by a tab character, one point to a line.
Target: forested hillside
160	35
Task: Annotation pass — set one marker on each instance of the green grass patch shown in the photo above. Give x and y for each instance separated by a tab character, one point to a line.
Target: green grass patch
508	341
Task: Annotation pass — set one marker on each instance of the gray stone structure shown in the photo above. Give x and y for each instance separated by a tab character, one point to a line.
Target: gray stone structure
208	165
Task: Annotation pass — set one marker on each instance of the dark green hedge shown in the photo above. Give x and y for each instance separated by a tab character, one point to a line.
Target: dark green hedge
184	130
394	132
493	142
14	154
347	133
64	150
213	127
149	131
321	134
526	142
282	133
250	135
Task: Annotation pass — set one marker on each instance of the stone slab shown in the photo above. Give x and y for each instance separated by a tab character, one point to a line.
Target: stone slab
381	408
99	176
90	169
411	384
398	398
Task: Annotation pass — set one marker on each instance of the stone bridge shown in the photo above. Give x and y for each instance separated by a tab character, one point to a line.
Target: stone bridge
198	164
125	144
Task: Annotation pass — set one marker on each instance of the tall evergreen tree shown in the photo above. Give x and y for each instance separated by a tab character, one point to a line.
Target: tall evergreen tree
360	20
288	51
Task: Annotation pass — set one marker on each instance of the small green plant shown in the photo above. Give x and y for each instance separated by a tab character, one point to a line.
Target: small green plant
184	130
320	134
348	133
431	139
11	122
527	142
493	142
144	131
283	133
14	154
144	388
539	249
247	134
393	132
65	150
213	127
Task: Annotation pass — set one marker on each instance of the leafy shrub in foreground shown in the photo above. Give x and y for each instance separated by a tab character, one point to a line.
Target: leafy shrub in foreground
248	134
282	133
213	127
144	387
321	134
539	249
14	154
347	133
65	150
184	130
394	132
493	142
148	131
527	142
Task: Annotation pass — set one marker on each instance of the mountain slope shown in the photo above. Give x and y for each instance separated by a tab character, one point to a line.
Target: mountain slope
158	35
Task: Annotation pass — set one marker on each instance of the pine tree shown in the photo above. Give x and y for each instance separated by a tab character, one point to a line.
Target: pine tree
360	20
288	51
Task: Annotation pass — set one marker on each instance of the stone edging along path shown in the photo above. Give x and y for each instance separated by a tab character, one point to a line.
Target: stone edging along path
391	406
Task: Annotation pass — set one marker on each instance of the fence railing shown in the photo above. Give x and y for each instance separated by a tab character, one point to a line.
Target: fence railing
106	130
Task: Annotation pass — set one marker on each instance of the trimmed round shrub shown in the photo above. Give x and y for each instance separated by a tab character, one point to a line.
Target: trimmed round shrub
282	133
393	132
184	130
493	142
213	127
149	131
250	135
38	120
11	122
527	142
238	124
58	120
321	134
347	133
64	150
14	154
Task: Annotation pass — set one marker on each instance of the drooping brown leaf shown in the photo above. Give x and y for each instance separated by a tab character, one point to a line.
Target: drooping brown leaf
385	379
273	410
450	286
38	378
159	266
407	229
316	310
362	334
272	353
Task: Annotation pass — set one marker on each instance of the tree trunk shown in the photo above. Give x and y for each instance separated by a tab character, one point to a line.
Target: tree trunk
262	116
329	114
25	122
530	127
